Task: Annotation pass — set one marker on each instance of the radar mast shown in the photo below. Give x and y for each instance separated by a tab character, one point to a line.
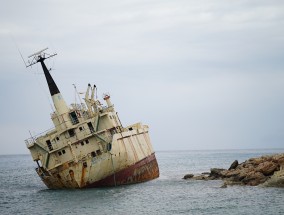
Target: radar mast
58	101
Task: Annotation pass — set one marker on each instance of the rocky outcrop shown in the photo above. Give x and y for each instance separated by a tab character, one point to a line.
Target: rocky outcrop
187	176
265	170
234	165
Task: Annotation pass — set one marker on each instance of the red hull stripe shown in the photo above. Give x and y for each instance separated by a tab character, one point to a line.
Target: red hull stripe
144	170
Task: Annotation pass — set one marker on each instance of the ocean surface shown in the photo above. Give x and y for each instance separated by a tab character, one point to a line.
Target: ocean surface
22	192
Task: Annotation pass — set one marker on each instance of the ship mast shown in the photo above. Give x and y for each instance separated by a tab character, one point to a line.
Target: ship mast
58	101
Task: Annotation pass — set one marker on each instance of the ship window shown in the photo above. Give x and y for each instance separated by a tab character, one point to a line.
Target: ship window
93	154
91	127
59	153
109	146
80	128
98	152
74	118
57	138
87	141
71	132
49	145
130	129
63	151
112	131
82	143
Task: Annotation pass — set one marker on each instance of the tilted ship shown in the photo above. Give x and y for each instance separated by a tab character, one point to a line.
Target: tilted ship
88	146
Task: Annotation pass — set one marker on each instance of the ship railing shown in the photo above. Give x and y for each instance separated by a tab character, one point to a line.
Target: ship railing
30	141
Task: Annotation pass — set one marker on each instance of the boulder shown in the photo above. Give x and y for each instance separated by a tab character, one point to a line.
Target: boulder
234	165
255	161
277	180
216	173
187	176
267	168
254	178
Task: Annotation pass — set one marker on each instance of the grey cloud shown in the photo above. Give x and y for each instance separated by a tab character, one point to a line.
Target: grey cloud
203	74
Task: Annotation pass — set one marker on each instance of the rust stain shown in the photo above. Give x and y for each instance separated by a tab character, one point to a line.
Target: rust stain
133	149
84	166
144	170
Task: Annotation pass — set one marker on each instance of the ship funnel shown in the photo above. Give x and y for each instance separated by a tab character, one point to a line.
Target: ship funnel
58	100
50	82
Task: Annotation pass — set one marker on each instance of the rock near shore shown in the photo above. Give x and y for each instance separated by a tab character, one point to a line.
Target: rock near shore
265	170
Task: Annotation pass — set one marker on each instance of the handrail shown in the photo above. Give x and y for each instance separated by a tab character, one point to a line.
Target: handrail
37	135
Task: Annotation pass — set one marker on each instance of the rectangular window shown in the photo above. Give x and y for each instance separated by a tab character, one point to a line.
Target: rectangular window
49	145
74	118
90	125
71	132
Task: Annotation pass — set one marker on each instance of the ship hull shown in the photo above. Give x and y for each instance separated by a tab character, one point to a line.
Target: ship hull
131	160
144	170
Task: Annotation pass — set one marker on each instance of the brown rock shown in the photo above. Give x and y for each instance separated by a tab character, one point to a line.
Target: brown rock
276	180
216	173
244	172
231	173
256	161
267	168
281	161
254	178
200	177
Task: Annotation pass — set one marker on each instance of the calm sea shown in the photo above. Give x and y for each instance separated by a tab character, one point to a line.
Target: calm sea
22	192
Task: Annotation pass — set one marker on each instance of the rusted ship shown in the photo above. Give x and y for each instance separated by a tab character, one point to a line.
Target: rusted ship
88	146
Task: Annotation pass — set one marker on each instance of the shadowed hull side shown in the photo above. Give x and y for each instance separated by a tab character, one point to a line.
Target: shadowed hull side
144	170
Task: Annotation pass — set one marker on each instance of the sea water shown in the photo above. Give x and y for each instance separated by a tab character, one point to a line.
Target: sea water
22	191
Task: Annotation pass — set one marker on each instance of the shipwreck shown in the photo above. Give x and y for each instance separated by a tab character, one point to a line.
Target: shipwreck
88	146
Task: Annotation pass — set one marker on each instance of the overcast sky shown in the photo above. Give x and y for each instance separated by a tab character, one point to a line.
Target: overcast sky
202	74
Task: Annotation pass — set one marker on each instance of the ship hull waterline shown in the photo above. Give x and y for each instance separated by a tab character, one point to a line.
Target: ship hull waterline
144	170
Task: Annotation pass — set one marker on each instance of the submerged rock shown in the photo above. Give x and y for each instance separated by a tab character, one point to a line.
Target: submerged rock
187	176
265	170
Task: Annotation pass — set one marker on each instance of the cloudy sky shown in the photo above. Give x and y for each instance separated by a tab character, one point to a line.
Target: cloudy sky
202	74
